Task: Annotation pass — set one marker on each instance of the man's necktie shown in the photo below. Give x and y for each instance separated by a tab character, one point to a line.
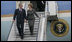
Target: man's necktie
20	9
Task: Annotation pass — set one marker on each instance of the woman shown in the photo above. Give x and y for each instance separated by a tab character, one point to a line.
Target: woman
30	16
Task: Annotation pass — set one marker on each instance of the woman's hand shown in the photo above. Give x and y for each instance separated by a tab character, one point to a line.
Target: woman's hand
25	20
39	17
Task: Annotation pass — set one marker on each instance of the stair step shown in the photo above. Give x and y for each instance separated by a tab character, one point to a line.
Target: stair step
27	30
34	24
27	25
25	36
26	39
27	33
36	20
34	29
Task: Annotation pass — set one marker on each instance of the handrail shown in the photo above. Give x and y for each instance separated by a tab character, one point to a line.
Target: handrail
42	26
42	29
38	29
10	29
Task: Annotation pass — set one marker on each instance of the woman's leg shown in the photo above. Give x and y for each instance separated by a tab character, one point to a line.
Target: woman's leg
29	22
31	25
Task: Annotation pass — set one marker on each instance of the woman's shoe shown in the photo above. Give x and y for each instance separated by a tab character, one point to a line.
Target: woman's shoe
31	33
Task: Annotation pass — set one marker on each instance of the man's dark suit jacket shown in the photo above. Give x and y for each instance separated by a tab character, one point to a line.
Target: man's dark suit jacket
19	15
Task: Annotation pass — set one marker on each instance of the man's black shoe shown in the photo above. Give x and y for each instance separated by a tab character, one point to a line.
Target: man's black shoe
22	37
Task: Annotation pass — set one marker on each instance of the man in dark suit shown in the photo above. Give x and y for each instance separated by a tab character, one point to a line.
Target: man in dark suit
20	16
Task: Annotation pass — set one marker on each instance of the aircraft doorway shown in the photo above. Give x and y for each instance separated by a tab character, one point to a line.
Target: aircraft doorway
39	6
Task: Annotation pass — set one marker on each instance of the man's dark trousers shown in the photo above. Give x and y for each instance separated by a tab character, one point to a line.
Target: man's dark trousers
20	26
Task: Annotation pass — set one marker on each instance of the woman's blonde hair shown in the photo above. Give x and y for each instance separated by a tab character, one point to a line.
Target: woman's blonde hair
30	4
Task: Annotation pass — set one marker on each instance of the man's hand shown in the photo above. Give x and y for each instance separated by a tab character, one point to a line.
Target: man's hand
13	20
